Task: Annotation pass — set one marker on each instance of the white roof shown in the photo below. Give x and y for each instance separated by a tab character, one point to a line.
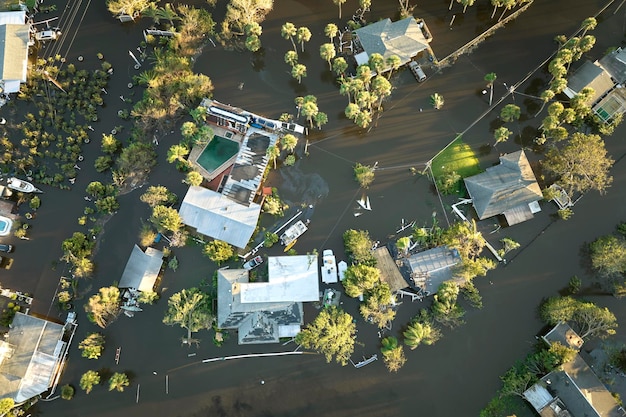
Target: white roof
291	279
215	215
13	18
142	269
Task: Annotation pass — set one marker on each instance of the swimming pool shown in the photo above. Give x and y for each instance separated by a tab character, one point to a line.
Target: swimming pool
5	225
217	152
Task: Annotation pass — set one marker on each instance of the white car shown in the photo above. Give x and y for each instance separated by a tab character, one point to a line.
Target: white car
47	35
253	263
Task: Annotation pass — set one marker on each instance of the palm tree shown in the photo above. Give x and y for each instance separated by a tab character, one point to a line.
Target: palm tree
403	244
321	119
364	73
339	3
298	71
309	110
118	381
437	101
288	31
327	53
508	5
490	78
352	111
466	3
510	112
299	101
496	4
272	154
382	88
289	142
588	24
340	66
253	43
501	134
168	13
303	34
393	62
291	58
147	77
331	31
152	12
364	118
177	153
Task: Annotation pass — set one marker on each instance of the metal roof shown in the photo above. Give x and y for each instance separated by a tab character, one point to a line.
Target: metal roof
29	357
403	38
142	269
505	186
291	278
215	215
13	55
615	64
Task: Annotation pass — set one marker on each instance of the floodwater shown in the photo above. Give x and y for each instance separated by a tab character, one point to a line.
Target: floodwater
460	373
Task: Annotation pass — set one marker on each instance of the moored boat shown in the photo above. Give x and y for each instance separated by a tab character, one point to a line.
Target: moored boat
22	186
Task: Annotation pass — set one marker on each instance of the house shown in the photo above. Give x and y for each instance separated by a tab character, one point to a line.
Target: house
264	312
142	269
32	356
405	38
218	216
236	158
573	390
430	268
509	188
606	77
389	272
14	43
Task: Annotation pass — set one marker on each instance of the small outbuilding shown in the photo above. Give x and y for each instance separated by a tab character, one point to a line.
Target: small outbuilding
142	269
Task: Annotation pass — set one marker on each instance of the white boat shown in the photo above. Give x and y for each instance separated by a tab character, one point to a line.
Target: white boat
293	232
23	186
329	267
130	307
342	266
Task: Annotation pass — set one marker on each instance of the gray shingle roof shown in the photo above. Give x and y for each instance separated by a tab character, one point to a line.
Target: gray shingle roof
510	184
615	64
589	75
403	38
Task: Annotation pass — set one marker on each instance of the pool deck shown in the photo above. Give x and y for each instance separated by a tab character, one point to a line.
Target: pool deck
197	151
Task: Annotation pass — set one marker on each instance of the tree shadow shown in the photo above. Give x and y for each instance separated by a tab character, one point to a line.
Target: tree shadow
258	60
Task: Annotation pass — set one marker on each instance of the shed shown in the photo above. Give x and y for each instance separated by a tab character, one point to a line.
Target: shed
389	271
142	269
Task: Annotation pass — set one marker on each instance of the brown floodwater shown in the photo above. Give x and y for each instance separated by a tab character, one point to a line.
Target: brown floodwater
460	373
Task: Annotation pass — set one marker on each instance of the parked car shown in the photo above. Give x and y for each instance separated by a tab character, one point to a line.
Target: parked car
6	248
253	263
417	71
47	35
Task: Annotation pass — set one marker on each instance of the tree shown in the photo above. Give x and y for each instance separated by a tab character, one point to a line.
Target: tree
303	34
377	307
496	4
190	309
466	4
242	13
490	78
608	255
135	162
157	195
128	7
393	62
88	380
393	354
360	279
557	309
309	108
102	163
298	71
332	333
320	119
109	145
194	178
178	154
166	219
376	63
581	165
588	319
358	246
327	53
6	404
501	134
253	43
517	380
77	247
339	66
445	309
103	308
92	346
107	204
118	382
364	175
339	3
465	238
272	154
331	31
508	5
67	392
218	251
437	101
291	58
588	24
352	111
421	330
381	87
510	113
403	244
288	31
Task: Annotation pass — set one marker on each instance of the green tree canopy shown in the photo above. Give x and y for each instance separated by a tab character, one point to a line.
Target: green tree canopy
378	305
118	382
218	251
393	354
166	219
588	319
92	346
190	309
359	246
88	380
445	308
157	195
421	330
332	334
510	113
6	404
103	308
360	279
608	255
364	174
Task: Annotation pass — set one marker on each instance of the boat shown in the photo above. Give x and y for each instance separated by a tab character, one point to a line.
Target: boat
342	267
329	267
289	246
364	202
22	186
293	232
131	307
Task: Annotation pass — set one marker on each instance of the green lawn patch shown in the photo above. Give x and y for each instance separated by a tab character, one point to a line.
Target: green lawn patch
457	158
